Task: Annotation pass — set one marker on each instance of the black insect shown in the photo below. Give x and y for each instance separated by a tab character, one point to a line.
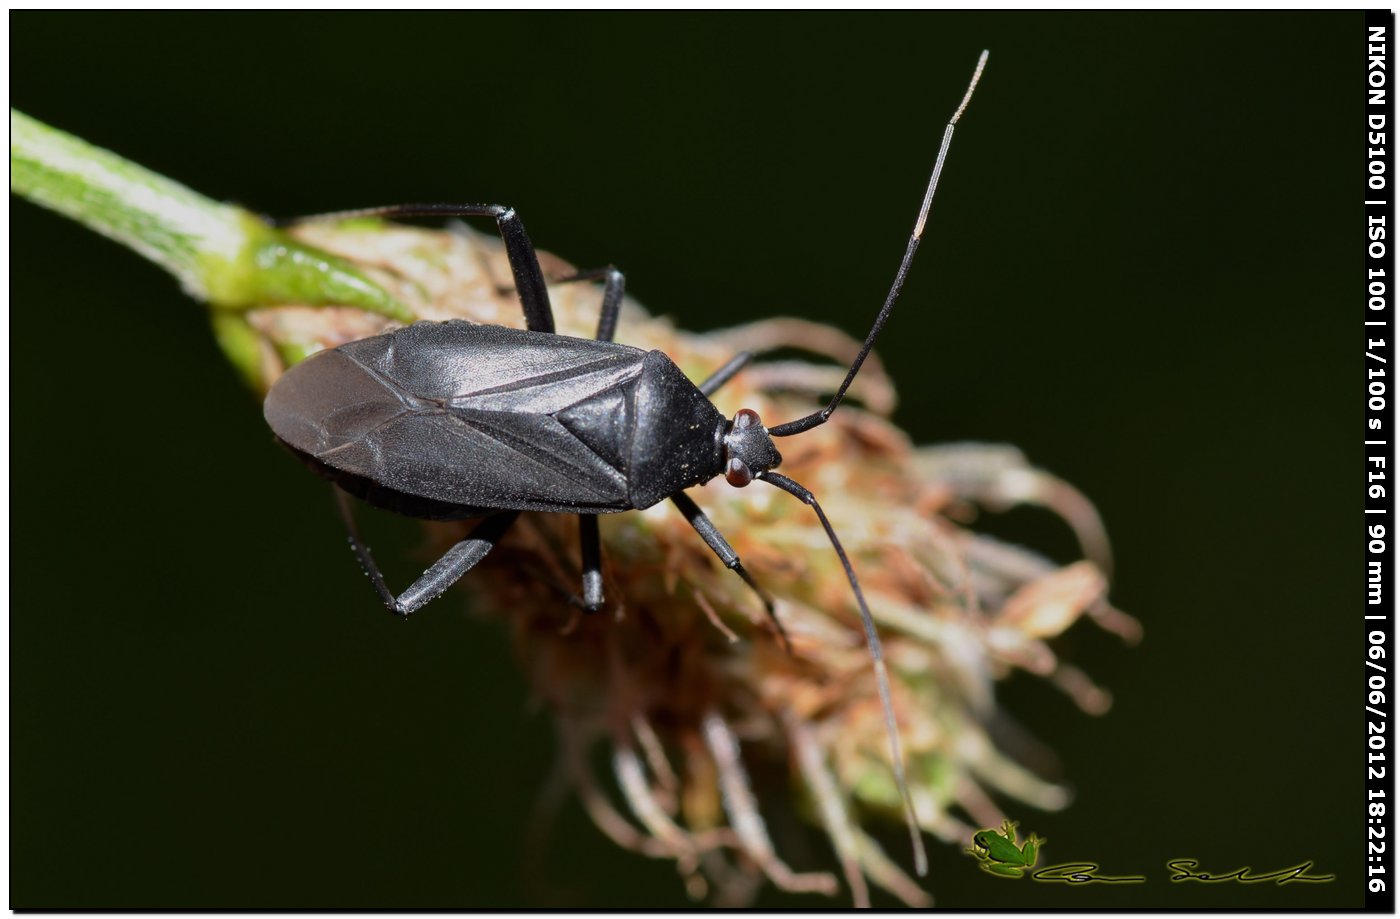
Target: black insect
452	420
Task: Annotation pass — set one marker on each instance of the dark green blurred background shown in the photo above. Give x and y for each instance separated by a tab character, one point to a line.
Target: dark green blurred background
1142	268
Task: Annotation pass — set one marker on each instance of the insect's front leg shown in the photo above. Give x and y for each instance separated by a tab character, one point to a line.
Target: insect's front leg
726	373
716	541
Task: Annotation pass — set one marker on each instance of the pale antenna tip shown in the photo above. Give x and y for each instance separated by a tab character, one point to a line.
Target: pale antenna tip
943	148
972	85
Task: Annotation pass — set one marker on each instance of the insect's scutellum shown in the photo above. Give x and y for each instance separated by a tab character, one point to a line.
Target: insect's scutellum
502	384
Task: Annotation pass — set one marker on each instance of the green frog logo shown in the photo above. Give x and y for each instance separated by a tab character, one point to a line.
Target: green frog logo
999	854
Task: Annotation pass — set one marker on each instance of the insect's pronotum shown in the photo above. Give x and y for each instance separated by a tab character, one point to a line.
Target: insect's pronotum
451	420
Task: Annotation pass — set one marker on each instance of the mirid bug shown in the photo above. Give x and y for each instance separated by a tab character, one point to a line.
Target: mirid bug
452	420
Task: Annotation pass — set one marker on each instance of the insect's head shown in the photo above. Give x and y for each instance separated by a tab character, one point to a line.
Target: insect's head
748	450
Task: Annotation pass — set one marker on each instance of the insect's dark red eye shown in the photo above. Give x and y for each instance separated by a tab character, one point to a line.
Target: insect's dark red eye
746	417
737	473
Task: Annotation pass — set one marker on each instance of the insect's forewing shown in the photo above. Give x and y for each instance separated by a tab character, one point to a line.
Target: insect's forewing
462	413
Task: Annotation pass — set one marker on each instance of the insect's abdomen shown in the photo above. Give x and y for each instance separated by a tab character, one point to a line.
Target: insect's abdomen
676	439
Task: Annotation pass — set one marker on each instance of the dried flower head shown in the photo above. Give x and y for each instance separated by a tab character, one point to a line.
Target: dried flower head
681	679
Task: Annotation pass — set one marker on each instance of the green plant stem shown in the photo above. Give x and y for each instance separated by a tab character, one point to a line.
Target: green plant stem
223	255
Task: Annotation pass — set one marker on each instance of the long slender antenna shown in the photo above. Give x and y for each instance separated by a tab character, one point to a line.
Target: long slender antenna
877	658
816	418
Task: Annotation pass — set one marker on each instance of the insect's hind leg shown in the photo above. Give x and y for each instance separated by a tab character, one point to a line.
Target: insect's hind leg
442	574
524	263
726	553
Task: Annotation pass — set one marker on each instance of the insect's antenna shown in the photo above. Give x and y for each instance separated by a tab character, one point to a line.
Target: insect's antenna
877	658
816	418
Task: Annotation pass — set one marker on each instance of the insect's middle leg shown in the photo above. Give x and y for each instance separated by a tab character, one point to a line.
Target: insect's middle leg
726	553
442	574
591	547
614	285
